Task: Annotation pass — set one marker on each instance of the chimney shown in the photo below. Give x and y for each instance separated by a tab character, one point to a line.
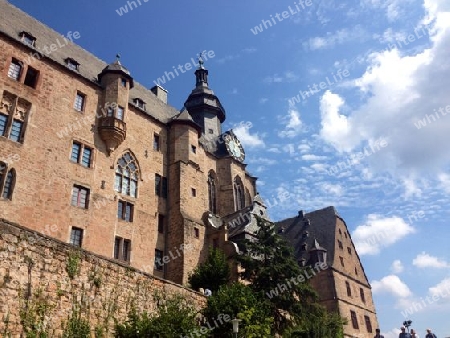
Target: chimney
160	93
301	214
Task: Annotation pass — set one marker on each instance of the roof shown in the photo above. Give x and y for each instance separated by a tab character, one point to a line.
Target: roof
14	21
316	229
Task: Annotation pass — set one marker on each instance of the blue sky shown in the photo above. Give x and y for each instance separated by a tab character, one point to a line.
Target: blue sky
367	133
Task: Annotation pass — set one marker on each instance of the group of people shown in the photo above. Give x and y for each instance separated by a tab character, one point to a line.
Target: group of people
404	334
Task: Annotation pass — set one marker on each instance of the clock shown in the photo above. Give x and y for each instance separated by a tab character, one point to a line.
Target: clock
234	147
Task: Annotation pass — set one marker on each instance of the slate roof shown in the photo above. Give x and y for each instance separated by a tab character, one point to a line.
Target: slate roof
14	21
314	228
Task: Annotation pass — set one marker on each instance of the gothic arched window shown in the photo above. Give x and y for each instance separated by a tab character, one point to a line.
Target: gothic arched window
7	180
212	192
127	174
238	194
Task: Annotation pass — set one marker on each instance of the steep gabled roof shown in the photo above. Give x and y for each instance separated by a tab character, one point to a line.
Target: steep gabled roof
317	228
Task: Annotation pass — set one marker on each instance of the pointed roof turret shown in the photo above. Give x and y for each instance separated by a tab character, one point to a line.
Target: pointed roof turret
116	68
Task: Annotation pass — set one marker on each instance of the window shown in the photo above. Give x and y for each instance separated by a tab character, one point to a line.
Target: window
72	64
361	293
345	234
349	250
127	174
304	247
79	102
158	260
27	39
3	121
194	192
160	186
123	82
340	245
340	232
15	69
125	211
76	236
356	271
210	131
354	320
139	103
212	193
238	194
349	290
196	233
194	149
16	131
161	224
342	261
122	249
13	116
156	144
120	113
81	154
80	197
305	235
7	181
31	77
368	324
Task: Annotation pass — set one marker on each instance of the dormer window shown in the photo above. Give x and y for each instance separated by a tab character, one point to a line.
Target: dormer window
72	64
27	39
139	103
305	234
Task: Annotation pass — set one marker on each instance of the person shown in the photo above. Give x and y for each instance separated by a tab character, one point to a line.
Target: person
430	334
404	334
378	335
414	334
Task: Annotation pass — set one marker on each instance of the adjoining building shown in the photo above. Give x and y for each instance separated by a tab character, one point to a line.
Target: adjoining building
321	237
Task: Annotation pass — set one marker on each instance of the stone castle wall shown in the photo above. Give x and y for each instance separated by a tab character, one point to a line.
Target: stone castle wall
35	281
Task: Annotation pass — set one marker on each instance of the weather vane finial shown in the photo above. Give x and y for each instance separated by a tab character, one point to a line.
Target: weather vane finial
200	59
117	57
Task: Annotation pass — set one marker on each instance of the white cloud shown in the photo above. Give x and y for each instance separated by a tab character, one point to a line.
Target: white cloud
337	38
441	290
391	334
379	232
334	189
424	260
397	267
278	78
293	124
393	285
263	100
419	83
242	131
311	157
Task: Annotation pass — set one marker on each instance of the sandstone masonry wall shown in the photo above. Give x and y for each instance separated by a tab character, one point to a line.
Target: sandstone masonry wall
35	278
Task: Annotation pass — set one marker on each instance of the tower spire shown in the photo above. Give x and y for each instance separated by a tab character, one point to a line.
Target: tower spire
201	74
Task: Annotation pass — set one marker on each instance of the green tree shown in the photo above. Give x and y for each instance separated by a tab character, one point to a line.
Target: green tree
211	274
175	317
271	268
238	301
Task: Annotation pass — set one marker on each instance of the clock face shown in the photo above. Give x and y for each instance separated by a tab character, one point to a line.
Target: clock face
234	147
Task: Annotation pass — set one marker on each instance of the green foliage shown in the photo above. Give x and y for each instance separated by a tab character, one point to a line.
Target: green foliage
269	262
324	326
73	262
211	274
76	326
175	316
238	301
34	314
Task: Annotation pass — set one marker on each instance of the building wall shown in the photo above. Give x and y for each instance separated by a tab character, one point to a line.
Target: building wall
350	281
36	265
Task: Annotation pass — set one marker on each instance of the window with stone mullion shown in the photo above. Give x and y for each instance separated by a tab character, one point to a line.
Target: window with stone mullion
126	179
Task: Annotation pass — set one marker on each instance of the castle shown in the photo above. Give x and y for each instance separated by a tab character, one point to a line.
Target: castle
91	157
